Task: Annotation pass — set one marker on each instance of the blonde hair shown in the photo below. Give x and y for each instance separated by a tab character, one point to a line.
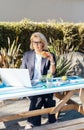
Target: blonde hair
42	38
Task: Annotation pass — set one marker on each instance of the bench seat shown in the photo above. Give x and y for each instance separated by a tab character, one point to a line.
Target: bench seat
75	124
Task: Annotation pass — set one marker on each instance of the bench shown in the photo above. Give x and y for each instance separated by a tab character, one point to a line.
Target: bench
75	124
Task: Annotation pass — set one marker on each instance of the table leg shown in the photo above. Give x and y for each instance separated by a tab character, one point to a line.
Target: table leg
81	95
62	102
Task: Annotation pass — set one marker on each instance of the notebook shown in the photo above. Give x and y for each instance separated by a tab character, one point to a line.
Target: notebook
15	77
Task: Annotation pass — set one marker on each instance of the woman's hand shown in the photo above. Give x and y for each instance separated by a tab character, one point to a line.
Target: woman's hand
48	55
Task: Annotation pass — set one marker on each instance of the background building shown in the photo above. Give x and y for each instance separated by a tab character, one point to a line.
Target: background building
42	10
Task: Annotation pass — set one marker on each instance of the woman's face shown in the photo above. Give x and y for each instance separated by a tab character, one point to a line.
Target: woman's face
37	44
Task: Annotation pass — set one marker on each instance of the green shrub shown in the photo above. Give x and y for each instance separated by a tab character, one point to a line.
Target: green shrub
65	37
12	54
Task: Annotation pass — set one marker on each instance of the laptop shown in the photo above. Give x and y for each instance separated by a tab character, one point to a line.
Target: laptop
15	77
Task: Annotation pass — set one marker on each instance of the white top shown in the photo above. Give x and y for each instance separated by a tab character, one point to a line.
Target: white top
37	70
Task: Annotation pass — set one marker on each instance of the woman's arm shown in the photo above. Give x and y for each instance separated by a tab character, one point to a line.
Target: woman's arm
52	58
52	64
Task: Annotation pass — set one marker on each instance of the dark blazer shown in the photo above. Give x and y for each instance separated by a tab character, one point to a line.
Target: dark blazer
28	62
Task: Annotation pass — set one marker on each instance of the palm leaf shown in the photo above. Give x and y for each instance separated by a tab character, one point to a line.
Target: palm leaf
11	53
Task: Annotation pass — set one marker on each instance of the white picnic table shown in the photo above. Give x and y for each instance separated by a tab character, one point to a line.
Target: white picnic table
69	87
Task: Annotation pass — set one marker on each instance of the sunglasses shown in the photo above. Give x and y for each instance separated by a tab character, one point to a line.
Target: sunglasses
36	42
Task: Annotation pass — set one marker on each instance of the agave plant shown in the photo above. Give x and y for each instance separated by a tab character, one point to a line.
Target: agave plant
63	65
11	54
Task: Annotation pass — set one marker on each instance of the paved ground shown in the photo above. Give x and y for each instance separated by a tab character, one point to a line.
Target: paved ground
21	105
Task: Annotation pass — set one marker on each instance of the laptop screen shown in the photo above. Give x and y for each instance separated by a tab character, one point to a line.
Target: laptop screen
15	77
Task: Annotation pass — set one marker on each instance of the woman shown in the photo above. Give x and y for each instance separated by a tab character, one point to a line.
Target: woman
39	61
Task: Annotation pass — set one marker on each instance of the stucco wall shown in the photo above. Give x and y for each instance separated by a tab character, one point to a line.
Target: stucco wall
42	10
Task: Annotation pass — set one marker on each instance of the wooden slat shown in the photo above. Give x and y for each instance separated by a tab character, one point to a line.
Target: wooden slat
65	108
77	106
60	107
62	102
32	113
75	124
60	96
67	124
81	95
25	114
